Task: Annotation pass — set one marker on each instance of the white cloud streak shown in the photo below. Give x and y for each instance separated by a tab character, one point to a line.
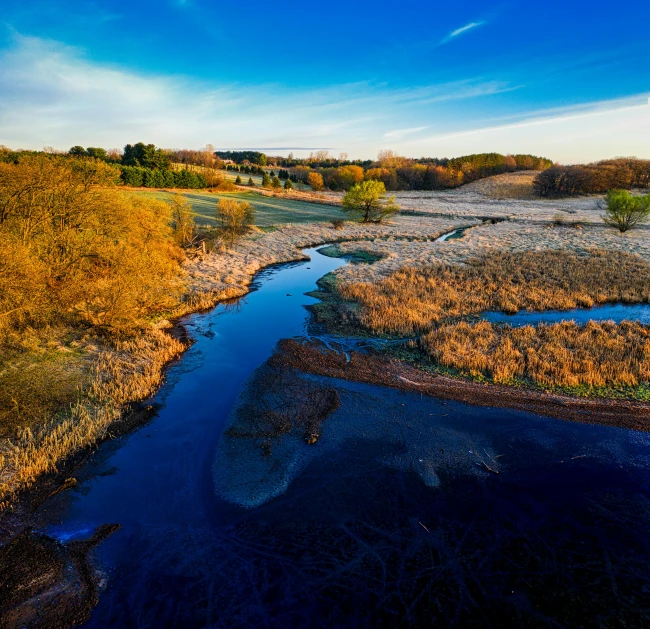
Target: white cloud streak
573	134
53	96
460	31
399	133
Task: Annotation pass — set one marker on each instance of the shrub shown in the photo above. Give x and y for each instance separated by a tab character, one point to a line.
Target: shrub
367	200
624	211
235	218
183	221
74	249
224	185
315	181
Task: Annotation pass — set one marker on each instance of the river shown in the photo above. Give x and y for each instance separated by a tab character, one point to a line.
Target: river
408	511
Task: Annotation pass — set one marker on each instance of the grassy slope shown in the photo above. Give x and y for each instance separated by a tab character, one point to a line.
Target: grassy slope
270	210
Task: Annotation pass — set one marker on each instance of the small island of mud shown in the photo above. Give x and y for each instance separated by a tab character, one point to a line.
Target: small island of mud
370	368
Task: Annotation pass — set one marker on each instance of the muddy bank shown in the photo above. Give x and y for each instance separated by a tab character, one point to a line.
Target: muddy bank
47	584
44	583
374	369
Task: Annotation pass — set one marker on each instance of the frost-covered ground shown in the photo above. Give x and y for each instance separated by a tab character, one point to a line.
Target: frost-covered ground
230	273
527	224
504	236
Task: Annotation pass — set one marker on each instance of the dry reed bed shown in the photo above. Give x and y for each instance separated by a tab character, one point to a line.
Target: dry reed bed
562	354
426	300
129	372
413	300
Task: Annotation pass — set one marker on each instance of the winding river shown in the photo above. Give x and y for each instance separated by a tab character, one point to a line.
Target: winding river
408	511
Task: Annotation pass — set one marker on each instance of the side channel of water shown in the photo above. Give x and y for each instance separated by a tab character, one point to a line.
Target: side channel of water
407	511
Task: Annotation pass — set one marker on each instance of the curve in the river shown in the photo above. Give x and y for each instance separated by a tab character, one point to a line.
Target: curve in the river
408	510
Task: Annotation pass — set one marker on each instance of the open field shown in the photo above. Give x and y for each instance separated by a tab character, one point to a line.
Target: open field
270	210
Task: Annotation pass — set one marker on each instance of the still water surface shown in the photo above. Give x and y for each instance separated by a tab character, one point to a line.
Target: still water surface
392	519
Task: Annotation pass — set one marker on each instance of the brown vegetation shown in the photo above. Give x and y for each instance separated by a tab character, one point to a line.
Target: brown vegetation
562	354
413	300
127	370
598	178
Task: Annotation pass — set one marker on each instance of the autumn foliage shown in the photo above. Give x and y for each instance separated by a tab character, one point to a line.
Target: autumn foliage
73	249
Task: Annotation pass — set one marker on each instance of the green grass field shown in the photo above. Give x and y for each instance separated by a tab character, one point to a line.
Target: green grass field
269	211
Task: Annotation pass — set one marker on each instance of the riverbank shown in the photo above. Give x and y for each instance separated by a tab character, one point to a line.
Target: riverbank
134	369
399	374
154	482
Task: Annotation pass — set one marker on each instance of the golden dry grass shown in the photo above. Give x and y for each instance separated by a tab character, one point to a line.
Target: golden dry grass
561	354
517	185
130	371
413	300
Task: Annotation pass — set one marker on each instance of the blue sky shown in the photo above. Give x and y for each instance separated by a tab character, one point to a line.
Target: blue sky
570	80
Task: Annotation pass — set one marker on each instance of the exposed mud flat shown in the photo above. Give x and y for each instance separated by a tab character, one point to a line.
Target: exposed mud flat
47	584
401	375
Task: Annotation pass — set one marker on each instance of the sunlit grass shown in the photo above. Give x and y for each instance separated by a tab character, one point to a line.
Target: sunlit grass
269	211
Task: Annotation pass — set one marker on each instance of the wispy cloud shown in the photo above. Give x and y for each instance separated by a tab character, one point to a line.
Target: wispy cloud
52	94
400	133
460	31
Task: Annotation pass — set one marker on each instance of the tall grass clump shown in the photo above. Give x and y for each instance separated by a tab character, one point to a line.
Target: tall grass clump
561	354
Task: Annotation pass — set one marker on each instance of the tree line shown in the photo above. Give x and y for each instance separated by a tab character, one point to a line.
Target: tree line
596	178
401	173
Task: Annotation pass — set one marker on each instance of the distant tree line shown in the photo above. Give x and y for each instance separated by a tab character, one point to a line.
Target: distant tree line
149	166
597	178
401	173
245	168
239	157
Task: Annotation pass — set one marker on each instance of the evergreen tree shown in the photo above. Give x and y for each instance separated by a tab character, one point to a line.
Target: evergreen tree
238	180
266	181
288	185
251	183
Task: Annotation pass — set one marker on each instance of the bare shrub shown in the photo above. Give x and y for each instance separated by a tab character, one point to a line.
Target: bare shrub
235	218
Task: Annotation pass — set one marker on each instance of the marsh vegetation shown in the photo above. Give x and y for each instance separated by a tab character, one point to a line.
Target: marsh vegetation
413	300
434	303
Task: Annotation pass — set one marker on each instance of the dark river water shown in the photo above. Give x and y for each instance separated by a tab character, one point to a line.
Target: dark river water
407	512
